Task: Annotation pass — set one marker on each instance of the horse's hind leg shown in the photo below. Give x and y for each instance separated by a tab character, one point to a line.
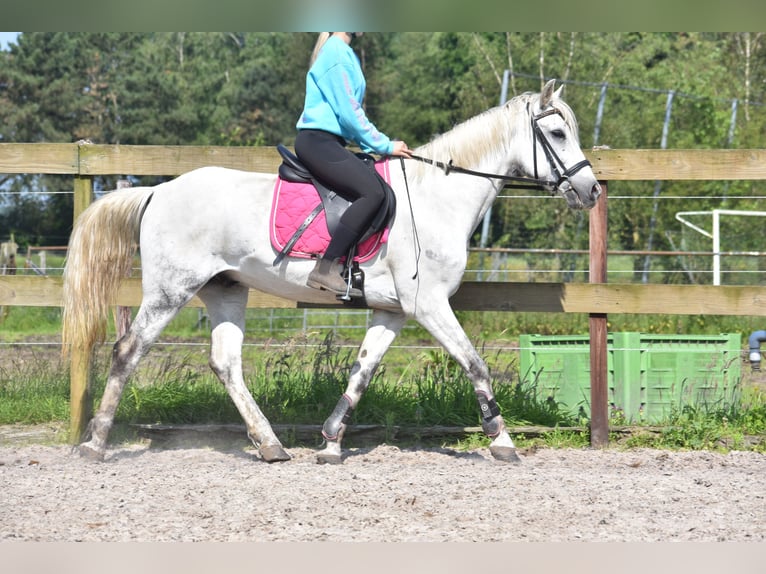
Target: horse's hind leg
226	305
385	327
441	322
126	354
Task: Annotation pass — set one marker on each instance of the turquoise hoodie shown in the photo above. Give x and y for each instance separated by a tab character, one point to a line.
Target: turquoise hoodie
335	87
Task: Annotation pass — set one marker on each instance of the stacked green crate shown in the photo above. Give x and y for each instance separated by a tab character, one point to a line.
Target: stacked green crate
649	376
677	370
559	368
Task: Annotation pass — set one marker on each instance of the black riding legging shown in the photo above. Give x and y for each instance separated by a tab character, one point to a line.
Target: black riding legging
327	158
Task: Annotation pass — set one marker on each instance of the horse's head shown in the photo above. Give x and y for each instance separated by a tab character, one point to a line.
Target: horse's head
556	154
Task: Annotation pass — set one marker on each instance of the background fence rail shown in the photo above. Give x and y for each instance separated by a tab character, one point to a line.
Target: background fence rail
631	298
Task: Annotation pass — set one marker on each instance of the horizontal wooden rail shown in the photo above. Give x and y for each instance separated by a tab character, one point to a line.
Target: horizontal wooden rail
678	164
82	159
39	158
25	290
173	160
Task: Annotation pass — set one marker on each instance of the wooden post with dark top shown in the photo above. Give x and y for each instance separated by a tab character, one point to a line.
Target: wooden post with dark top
599	384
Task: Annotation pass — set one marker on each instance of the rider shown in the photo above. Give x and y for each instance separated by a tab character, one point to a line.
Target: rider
332	116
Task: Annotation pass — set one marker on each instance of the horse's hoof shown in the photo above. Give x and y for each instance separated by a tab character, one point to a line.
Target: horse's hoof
328	458
504	453
89	452
273	453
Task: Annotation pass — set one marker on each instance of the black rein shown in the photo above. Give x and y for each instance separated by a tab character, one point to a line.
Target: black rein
513	181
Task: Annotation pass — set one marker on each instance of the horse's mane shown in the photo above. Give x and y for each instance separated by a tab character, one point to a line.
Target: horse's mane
490	132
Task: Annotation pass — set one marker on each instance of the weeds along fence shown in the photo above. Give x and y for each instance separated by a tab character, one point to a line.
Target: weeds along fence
597	298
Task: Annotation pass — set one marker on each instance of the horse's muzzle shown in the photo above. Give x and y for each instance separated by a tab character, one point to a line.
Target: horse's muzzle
578	200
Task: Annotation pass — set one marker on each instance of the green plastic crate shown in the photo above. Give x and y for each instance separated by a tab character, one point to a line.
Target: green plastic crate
648	376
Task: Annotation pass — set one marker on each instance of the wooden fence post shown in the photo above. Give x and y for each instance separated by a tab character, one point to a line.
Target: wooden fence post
80	405
599	384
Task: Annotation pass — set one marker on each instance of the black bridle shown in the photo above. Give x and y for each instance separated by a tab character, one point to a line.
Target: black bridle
554	161
559	171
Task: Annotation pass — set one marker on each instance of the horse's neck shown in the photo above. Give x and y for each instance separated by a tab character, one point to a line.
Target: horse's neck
474	194
456	200
486	144
484	192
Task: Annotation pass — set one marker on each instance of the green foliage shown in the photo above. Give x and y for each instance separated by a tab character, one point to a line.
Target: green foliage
146	401
23	323
429	85
300	384
33	391
700	428
226	88
261	100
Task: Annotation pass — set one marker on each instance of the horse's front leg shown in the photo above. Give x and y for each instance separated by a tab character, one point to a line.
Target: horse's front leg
441	322
226	305
385	327
226	362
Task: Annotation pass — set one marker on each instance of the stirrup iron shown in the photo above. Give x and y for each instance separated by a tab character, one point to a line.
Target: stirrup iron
348	275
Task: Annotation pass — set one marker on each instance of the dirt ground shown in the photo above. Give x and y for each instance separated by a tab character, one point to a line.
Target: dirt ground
193	492
147	493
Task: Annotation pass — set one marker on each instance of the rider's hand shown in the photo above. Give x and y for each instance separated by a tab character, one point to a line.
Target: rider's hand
401	149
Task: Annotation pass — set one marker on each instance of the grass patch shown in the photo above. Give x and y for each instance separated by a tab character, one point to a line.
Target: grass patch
737	427
300	383
23	323
33	391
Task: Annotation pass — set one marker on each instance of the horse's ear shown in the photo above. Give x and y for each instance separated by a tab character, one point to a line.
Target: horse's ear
547	94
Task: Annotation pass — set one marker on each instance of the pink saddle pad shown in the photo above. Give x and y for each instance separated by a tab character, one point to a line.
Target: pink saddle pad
292	204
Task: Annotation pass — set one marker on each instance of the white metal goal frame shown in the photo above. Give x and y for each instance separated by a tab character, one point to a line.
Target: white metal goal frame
715	233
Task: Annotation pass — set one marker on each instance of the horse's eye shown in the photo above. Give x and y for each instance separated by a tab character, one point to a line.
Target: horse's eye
559	134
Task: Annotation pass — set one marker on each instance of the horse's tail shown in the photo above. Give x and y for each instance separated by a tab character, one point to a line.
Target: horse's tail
100	254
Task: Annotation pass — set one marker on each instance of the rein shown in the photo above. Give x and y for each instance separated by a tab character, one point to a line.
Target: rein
513	181
558	169
415	237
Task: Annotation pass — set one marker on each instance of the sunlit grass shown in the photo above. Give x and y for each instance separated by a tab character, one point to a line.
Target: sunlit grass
300	382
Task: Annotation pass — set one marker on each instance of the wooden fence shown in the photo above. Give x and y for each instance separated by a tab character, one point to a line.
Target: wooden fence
85	161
